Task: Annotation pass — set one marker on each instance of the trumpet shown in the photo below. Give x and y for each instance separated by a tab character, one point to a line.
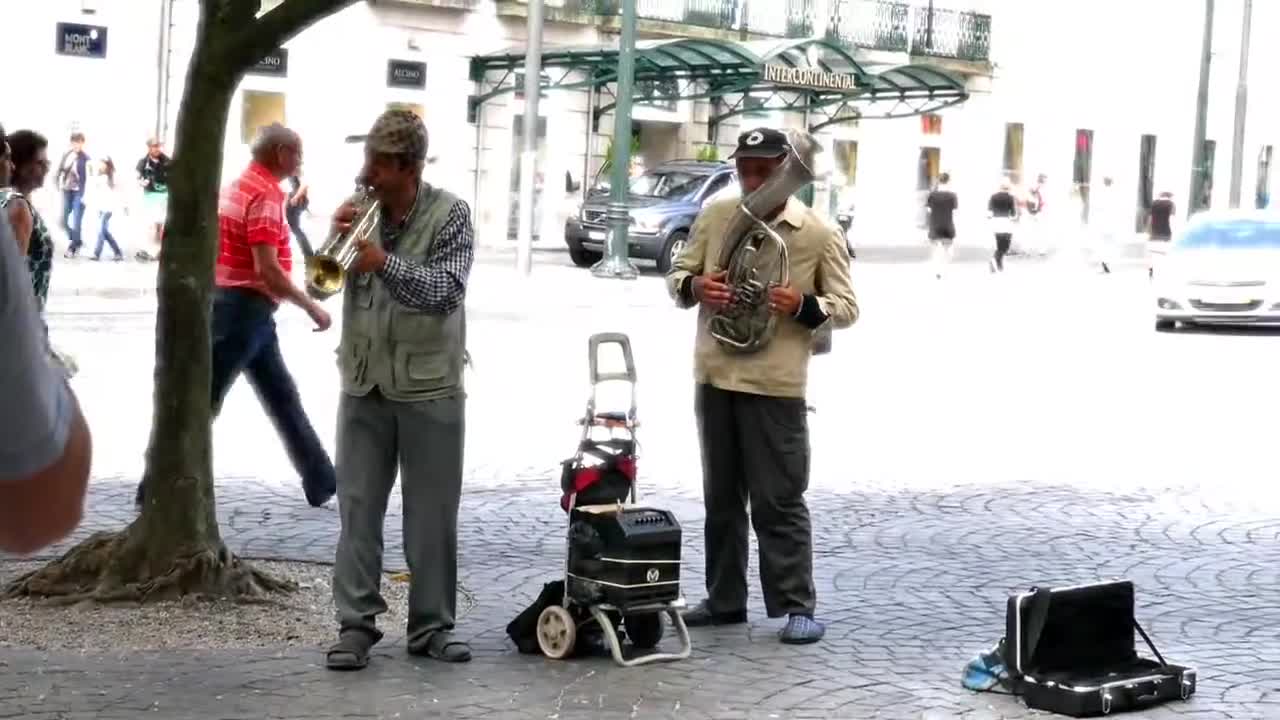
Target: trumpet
327	268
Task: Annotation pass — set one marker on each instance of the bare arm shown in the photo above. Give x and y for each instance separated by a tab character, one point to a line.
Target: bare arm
266	263
22	221
45	448
41	509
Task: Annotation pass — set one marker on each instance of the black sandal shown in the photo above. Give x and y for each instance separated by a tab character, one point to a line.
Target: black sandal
351	652
441	646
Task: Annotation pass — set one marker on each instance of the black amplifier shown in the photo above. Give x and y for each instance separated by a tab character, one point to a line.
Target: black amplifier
627	557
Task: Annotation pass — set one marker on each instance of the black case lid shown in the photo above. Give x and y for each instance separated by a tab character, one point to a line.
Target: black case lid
1085	627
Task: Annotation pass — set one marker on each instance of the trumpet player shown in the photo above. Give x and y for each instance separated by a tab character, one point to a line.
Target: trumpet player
750	407
402	405
252	278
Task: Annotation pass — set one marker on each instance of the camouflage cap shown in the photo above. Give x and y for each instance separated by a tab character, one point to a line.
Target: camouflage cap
397	132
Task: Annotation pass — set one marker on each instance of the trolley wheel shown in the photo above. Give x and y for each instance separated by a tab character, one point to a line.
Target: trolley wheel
644	630
557	632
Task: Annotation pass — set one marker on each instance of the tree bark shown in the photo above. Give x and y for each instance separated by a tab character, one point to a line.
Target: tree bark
174	548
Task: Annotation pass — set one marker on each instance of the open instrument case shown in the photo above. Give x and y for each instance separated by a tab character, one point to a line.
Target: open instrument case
1072	651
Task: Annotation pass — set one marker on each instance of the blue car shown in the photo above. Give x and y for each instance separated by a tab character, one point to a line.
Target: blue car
664	202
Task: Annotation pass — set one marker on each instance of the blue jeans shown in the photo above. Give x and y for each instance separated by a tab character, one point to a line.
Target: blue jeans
105	237
244	340
73	217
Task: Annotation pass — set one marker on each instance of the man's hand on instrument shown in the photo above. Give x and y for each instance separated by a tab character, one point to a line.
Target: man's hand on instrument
343	217
710	290
785	300
369	257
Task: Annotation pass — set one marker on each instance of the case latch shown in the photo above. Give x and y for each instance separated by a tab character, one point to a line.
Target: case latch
1106	702
1186	688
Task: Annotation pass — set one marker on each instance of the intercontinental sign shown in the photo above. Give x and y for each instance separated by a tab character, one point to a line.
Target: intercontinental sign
809	78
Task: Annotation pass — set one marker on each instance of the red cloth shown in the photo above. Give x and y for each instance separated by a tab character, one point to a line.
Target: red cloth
251	212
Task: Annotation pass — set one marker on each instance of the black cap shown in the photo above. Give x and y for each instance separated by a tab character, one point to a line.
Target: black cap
762	143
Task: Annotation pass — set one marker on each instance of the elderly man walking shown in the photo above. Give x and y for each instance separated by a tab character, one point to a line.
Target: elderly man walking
252	276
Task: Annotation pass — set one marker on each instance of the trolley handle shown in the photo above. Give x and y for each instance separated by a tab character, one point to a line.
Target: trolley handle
594	344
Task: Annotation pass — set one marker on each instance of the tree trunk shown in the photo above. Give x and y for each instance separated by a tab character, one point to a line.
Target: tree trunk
178	480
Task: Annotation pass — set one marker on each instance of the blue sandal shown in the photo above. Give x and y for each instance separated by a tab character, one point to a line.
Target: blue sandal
802	630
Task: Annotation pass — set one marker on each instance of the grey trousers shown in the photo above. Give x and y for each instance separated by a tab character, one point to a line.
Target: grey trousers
755	449
425	440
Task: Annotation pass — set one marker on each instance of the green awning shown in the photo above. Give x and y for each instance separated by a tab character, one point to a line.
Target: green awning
742	77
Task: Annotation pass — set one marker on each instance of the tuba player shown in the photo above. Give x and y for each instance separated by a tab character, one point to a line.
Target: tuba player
751	408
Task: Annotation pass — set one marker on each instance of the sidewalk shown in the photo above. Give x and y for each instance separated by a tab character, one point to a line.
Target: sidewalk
906	611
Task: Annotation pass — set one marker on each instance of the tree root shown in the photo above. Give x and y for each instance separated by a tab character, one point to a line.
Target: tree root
108	568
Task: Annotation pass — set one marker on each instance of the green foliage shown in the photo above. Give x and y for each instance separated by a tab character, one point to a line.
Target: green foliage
610	154
709	153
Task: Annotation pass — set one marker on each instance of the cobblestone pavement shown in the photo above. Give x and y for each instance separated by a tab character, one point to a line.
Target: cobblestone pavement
943	480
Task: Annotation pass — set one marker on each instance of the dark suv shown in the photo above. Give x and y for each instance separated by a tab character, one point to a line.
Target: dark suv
664	202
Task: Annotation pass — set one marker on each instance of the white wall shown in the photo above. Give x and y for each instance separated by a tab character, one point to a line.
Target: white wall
112	100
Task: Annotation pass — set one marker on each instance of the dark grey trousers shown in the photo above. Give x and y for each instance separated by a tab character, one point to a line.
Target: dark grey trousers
755	449
425	441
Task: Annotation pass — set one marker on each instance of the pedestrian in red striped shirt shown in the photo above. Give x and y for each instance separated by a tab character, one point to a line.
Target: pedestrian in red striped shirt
252	276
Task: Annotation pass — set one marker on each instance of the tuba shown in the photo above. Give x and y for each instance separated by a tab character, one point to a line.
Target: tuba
327	268
755	256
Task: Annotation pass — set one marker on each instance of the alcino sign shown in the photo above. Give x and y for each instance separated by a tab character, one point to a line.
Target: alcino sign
809	78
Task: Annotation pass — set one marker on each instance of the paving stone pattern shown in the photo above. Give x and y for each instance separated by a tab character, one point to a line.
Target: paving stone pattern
911	583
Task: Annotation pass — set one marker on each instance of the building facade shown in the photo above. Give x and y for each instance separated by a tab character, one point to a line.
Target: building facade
1116	80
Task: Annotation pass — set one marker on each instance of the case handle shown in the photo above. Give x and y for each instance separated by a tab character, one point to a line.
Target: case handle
593	351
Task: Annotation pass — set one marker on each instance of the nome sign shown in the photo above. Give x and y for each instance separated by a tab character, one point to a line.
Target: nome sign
406	74
276	64
77	40
809	78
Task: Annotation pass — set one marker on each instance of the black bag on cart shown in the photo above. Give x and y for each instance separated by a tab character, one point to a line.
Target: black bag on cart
1071	651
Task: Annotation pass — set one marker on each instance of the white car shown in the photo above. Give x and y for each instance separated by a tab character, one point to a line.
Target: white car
1220	268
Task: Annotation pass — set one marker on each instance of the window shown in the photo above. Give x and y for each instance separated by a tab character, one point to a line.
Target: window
517	146
259	109
928	168
1082	170
1233	234
1013	142
717	184
1146	180
414	108
673	184
931	124
1262	192
846	156
543	79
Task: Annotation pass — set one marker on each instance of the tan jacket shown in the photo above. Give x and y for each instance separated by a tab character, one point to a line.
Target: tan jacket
819	266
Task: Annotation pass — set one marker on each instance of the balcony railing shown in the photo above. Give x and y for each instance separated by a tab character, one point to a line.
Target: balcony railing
881	25
952	34
869	24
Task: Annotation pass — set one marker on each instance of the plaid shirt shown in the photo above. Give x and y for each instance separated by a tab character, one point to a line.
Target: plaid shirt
438	283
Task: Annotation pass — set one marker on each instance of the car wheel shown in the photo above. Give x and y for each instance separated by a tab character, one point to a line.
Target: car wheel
1165	325
671	250
583	257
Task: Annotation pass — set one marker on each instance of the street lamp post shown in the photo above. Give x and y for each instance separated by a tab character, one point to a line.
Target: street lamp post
616	263
1242	100
1198	174
527	199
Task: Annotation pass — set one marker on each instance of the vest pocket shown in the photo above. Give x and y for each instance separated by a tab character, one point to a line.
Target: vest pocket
419	369
362	289
353	360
